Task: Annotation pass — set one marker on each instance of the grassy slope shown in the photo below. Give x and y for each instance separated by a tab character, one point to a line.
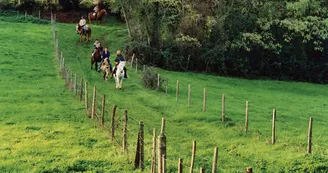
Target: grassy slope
42	127
295	103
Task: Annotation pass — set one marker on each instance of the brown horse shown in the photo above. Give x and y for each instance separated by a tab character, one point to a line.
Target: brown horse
100	16
79	30
96	58
105	68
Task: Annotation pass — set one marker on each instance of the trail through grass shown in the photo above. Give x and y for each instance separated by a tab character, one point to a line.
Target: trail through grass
42	126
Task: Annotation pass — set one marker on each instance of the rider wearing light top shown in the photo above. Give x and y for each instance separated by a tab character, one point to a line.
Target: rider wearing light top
118	59
82	23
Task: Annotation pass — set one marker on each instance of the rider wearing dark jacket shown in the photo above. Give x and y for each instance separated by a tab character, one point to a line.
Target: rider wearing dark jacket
118	59
105	54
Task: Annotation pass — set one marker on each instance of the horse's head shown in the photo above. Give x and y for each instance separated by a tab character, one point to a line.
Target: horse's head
103	11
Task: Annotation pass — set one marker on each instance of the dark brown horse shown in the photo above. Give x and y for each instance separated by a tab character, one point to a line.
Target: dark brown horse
96	58
79	30
100	16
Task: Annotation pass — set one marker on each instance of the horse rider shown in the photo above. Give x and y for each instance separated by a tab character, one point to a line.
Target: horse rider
105	55
96	45
118	59
82	23
96	9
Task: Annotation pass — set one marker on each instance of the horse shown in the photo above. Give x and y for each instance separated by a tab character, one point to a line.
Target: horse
105	68
100	15
119	74
96	57
79	30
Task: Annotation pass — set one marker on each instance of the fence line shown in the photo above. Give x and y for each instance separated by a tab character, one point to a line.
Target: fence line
101	108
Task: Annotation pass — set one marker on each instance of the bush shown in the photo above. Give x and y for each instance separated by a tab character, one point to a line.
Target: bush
12	16
150	78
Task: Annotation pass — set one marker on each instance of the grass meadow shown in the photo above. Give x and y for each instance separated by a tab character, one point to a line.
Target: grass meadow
44	129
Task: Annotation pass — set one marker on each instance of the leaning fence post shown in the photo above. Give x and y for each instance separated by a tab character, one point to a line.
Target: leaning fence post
246	119
124	143
180	167
215	160
273	126
309	148
193	156
249	170
161	147
201	170
164	163
93	103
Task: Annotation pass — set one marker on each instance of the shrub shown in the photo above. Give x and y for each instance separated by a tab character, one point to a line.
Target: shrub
150	78
11	16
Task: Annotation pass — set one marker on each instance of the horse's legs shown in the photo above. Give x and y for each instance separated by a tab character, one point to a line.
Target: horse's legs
96	65
91	63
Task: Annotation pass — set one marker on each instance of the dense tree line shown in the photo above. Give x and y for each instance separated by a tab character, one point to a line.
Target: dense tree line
277	39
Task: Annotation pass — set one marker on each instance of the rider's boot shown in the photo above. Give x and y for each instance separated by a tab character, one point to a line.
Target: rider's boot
125	75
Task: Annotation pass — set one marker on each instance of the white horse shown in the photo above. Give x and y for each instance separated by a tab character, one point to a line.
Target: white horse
119	74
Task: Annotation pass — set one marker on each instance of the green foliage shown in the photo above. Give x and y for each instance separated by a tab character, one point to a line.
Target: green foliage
13	16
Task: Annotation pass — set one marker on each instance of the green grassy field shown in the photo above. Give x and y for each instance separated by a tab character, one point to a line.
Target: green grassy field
74	140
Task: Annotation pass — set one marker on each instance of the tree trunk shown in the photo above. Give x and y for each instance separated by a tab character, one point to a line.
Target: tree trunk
126	19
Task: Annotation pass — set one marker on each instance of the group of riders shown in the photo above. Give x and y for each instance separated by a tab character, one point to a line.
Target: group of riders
105	54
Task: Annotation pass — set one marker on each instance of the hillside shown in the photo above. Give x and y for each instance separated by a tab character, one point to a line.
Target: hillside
45	129
42	126
295	103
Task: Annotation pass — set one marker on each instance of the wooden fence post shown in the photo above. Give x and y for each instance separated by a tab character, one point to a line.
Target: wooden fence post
86	95
75	84
193	156
180	167
144	67
249	170
161	147
164	163
158	81
132	60
177	90
136	65
71	81
103	111
153	160
202	170
215	160
189	94
25	13
93	111
309	148
81	89
141	145
167	85
39	14
223	107
124	143
204	101
273	126
246	119
113	123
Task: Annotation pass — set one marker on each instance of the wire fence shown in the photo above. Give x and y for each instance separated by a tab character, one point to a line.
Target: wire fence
125	130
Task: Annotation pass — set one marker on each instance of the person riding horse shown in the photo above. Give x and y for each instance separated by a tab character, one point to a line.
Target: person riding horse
105	55
96	46
118	59
82	23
